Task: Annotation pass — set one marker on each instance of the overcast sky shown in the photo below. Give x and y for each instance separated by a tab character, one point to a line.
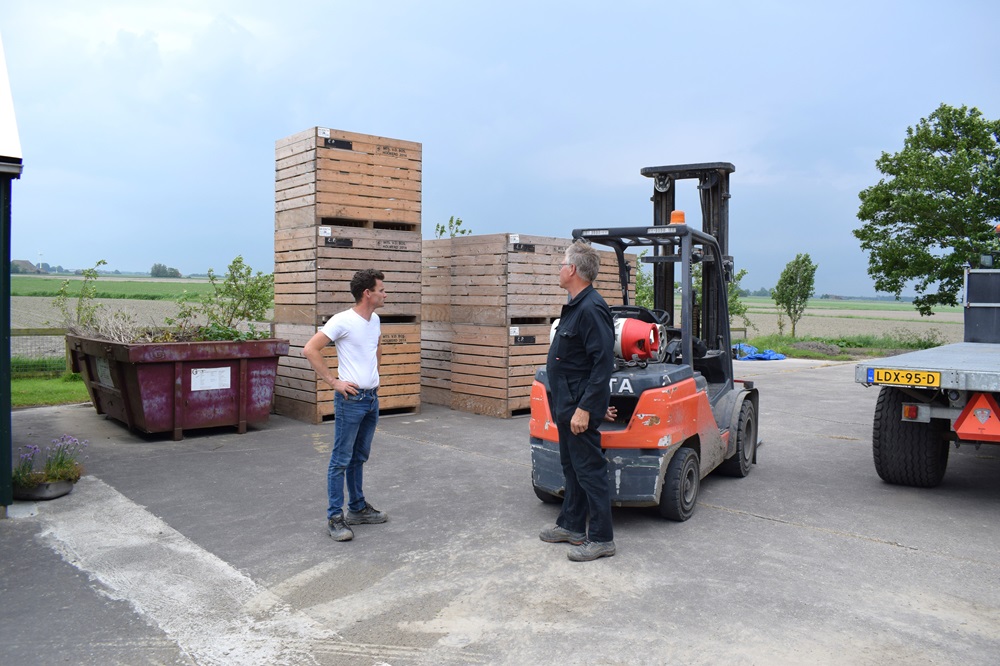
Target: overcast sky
147	128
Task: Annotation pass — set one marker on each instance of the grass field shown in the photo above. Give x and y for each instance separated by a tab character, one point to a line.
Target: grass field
37	392
136	289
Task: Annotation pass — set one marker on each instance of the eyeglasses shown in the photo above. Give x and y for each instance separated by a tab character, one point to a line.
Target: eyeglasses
565	264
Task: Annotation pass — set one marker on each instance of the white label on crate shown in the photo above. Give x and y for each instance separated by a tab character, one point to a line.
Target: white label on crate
515	238
391	245
514	330
207	379
325	231
104	372
323	132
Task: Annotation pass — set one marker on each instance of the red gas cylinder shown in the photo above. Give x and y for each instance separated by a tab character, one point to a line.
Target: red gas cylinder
636	339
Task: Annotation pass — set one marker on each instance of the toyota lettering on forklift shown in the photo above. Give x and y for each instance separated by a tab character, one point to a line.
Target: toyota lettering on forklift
680	412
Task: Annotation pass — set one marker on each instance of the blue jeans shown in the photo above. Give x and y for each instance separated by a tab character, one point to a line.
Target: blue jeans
355	419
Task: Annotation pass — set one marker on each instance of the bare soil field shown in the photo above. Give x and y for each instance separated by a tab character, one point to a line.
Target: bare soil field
947	327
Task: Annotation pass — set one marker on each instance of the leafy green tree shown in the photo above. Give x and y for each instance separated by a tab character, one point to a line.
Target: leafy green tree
737	308
161	270
643	283
454	228
795	287
936	207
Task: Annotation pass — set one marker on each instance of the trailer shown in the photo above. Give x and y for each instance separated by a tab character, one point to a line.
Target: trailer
933	398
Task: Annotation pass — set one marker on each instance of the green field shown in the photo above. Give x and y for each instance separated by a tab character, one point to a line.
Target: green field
139	289
761	304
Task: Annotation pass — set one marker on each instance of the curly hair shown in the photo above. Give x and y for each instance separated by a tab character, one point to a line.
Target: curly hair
364	279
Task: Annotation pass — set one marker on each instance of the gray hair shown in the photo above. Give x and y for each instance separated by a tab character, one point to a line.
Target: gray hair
585	258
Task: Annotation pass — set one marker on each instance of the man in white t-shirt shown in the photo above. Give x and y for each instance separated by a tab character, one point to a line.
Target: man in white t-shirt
357	334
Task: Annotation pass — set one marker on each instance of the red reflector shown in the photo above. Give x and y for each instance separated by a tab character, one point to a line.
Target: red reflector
980	420
909	412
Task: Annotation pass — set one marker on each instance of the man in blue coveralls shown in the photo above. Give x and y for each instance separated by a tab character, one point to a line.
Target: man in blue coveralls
579	367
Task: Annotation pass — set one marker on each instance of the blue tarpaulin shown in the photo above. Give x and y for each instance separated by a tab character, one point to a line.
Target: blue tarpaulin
744	352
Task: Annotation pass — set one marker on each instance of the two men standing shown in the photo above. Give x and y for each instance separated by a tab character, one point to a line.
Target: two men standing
579	366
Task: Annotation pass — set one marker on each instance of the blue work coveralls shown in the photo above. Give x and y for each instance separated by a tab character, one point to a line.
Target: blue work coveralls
579	367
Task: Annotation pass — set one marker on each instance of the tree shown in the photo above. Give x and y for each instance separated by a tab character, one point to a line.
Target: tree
737	308
454	228
643	283
936	208
160	270
795	287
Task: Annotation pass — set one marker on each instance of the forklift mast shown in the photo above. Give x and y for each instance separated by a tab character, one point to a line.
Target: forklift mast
713	188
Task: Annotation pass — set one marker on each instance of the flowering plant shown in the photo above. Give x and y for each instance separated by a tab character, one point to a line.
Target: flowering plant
61	462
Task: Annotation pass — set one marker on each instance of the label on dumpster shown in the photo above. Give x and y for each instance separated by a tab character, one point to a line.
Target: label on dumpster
104	372
208	379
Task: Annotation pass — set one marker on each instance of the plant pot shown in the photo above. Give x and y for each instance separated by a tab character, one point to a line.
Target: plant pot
43	491
175	386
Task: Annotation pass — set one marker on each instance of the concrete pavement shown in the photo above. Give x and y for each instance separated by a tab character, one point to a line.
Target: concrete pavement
213	550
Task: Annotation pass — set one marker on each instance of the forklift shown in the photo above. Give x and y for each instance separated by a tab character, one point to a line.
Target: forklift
680	412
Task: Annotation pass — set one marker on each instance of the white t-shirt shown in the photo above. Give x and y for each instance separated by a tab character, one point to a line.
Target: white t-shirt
357	346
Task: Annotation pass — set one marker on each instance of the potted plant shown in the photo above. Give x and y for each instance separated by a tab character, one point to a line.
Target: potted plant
209	366
60	469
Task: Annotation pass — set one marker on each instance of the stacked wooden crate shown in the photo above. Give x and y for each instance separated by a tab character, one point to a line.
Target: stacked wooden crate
344	202
495	298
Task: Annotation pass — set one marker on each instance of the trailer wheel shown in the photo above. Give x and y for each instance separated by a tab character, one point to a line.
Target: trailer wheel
546	496
746	443
906	453
680	485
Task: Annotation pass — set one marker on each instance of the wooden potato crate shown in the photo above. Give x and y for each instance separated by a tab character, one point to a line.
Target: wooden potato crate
369	179
485	329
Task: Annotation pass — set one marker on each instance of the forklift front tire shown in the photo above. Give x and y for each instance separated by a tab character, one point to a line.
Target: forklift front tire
680	485
746	444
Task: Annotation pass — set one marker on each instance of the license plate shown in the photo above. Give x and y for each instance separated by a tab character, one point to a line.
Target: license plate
922	378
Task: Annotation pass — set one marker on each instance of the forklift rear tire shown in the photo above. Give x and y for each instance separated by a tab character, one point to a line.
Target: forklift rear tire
680	485
746	442
546	496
